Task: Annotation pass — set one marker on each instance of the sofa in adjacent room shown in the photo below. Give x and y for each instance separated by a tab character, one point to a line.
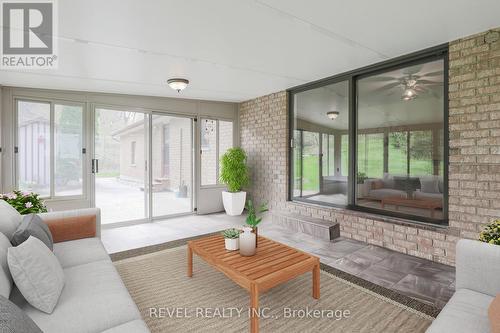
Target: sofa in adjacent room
94	298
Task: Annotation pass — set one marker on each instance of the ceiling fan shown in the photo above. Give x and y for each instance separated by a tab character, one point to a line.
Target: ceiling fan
412	83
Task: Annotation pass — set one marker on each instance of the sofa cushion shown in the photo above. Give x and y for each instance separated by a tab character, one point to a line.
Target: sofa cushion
80	251
466	311
5	276
423	195
13	319
429	185
386	192
9	219
37	273
388	180
134	326
94	299
32	225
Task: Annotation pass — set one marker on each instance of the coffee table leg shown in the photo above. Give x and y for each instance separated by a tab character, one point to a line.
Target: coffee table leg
316	281
190	261
254	309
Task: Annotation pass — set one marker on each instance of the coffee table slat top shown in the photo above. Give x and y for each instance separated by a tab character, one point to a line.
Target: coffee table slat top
271	259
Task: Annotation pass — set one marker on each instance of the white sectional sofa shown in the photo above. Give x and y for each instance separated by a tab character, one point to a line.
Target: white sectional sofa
477	284
94	298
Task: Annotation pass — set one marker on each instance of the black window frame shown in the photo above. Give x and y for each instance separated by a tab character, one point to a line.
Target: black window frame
439	52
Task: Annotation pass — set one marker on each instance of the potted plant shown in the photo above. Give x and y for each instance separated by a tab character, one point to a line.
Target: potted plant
361	184
25	202
231	239
491	233
252	218
234	174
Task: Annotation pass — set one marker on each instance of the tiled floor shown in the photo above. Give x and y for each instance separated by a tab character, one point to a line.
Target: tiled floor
424	280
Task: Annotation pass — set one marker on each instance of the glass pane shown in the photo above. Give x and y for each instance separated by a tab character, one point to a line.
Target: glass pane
33	137
120	189
421	153
310	160
209	156
404	174
225	137
398	153
68	144
321	113
297	163
172	165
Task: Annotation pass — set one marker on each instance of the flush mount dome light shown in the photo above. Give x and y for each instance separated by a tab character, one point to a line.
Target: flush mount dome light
178	84
332	115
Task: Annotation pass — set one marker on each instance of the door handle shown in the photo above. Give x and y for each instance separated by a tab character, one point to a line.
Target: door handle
95	165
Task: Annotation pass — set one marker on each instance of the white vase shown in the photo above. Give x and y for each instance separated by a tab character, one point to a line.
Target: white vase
247	242
232	244
234	202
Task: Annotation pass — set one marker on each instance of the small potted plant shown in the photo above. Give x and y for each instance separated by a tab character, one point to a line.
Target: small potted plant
25	202
491	233
252	218
234	173
231	239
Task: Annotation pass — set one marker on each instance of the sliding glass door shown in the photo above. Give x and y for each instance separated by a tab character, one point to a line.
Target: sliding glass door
143	165
119	165
172	165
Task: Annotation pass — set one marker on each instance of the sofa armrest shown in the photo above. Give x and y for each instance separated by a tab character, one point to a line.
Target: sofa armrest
73	224
478	267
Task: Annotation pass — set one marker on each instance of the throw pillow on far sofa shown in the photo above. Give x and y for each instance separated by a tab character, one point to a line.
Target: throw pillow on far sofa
429	184
37	273
32	225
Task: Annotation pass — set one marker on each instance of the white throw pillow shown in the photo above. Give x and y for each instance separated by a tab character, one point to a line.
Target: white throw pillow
5	277
10	219
37	273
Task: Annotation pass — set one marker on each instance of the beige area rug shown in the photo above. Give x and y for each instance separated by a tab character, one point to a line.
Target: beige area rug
169	301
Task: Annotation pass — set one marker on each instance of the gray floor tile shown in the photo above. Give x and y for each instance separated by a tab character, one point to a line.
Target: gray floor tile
424	289
381	276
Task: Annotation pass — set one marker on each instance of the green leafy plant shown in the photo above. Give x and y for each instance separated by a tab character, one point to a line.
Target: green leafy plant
252	219
231	233
361	177
25	202
491	233
233	169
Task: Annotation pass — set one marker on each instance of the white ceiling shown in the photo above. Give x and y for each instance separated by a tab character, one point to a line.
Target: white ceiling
238	50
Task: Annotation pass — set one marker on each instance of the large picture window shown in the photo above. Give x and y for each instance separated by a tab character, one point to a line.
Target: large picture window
399	133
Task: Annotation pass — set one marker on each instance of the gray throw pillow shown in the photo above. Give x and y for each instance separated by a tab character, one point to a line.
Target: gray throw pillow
429	185
13	319
32	225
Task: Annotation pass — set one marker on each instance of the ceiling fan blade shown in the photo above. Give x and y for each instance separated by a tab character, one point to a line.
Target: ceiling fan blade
387	87
436	73
427	82
412	70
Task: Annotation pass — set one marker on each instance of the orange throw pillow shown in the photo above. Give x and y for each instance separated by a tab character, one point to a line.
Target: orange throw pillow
494	314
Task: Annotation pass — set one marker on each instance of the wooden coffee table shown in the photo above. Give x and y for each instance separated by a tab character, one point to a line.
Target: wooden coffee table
273	264
429	204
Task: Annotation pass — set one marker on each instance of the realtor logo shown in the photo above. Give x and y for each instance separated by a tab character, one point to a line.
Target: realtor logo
28	30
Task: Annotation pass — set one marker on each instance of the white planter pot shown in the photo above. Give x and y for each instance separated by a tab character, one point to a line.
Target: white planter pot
362	190
232	244
234	203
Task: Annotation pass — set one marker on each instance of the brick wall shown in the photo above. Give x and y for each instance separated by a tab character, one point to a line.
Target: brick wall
474	159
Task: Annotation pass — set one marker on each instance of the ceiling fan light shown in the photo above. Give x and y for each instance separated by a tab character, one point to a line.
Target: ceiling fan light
178	84
332	115
409	94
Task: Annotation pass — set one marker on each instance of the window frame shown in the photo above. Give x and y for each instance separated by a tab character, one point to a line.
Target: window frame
52	129
217	183
439	52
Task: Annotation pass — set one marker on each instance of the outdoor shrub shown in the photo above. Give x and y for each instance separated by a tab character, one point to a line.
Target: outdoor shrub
25	202
491	233
233	169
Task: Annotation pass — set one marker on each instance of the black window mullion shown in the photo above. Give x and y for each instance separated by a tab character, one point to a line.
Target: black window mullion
351	181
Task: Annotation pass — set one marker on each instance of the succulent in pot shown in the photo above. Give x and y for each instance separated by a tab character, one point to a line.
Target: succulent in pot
231	239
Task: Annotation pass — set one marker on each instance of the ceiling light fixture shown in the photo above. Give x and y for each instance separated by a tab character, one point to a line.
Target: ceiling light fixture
409	94
178	84
332	115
